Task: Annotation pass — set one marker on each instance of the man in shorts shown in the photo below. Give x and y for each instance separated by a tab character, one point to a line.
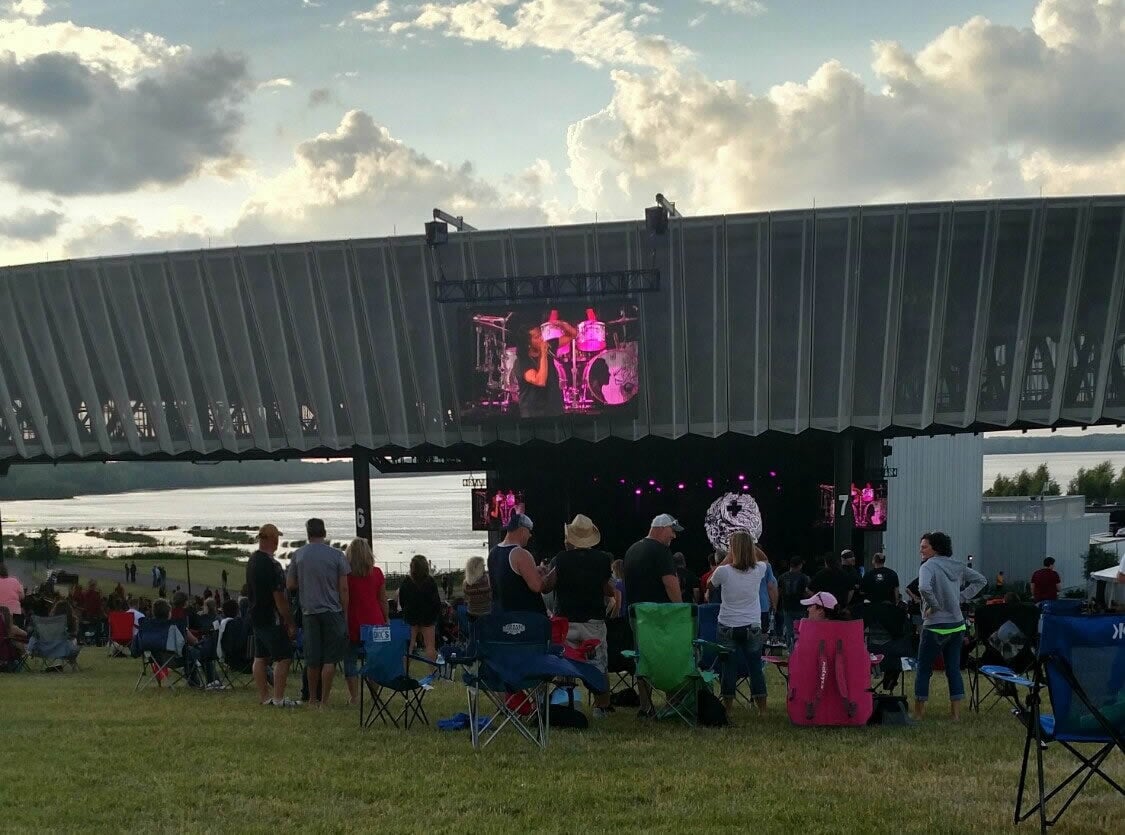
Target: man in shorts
319	573
584	581
274	629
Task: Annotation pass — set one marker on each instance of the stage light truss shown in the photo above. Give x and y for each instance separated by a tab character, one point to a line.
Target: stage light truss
534	288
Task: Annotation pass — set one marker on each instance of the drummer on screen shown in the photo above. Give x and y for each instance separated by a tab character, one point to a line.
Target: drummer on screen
540	388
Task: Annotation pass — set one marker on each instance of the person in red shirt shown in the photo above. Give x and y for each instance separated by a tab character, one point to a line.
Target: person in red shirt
1046	582
367	606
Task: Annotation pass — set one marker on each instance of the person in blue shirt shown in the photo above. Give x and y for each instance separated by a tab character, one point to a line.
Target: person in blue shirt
768	593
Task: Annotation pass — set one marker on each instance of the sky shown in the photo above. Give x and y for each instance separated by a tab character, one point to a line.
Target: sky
146	125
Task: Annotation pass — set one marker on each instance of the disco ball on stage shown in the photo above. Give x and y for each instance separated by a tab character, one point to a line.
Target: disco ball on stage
732	512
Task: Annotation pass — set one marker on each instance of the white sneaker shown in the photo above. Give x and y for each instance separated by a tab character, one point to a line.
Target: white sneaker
288	703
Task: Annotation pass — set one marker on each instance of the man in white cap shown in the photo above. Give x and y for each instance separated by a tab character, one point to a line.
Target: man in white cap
583	581
650	577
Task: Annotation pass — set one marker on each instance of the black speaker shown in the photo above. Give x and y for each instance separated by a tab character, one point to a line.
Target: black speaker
656	220
437	233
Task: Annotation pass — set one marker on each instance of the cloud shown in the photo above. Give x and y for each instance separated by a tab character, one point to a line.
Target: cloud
124	235
71	127
981	110
377	12
594	32
750	8
319	96
275	84
120	56
29	225
358	180
28	8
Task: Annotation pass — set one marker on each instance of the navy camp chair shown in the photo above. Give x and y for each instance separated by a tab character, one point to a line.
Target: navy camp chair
709	656
513	663
1081	665
396	698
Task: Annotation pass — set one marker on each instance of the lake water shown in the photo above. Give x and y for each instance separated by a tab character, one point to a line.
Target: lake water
428	515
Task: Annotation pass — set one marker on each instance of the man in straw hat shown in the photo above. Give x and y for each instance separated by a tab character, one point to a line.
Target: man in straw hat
583	581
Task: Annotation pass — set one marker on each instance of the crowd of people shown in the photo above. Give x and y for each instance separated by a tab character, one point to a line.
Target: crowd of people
587	586
325	596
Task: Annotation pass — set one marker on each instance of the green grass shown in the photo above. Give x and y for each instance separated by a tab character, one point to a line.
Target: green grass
205	571
81	751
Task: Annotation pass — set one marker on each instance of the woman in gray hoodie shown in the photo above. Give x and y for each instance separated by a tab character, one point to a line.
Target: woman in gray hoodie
943	584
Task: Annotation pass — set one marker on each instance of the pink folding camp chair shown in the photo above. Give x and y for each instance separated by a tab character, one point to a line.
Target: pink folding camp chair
830	675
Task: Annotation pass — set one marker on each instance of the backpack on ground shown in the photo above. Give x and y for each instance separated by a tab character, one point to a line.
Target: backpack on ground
890	710
712	714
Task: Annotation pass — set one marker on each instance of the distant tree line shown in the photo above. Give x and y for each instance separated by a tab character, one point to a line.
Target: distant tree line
63	481
1098	484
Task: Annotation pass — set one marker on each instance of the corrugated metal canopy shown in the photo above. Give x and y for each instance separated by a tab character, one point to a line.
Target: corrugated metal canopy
897	319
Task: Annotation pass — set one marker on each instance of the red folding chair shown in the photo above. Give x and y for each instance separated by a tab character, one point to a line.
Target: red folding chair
120	634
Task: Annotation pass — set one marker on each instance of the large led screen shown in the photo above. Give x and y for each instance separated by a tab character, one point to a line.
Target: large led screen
552	361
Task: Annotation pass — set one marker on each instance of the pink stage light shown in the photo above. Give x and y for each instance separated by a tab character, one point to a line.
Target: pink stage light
681	486
741	477
745	486
638	491
652	482
621	481
773	473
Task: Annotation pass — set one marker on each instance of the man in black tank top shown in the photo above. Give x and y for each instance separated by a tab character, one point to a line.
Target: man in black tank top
517	583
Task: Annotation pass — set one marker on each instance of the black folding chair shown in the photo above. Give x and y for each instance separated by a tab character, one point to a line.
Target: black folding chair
1081	665
1004	635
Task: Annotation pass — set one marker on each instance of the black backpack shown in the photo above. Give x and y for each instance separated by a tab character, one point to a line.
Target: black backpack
890	710
712	714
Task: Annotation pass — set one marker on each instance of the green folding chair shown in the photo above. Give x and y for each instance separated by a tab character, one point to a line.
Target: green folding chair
667	656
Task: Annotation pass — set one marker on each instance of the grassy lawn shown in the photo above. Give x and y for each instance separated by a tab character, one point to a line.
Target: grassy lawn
81	751
109	572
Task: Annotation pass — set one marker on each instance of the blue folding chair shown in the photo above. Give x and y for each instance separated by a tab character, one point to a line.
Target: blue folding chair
384	677
512	662
1081	664
161	646
711	659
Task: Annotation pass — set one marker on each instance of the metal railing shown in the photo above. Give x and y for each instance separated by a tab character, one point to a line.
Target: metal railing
1032	508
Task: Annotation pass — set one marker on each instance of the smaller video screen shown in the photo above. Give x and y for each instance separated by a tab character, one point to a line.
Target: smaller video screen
493	508
867	500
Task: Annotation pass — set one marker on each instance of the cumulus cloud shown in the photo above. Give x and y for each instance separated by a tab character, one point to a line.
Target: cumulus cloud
377	12
594	32
982	110
359	180
124	235
28	8
30	225
120	56
70	127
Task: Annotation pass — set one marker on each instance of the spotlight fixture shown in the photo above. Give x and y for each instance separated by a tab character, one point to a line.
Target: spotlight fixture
437	230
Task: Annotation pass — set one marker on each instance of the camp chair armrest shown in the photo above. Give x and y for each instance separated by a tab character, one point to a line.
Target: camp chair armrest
702	643
1005	674
423	659
465	658
628	653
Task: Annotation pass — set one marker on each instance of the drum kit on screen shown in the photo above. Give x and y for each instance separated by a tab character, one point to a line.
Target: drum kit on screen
597	368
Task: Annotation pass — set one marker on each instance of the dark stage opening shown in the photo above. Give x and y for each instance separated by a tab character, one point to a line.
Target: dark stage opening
622	485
